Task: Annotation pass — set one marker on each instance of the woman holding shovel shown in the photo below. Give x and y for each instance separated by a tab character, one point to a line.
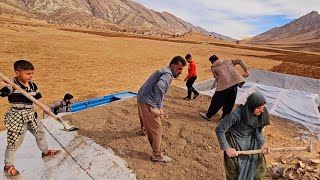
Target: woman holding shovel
242	130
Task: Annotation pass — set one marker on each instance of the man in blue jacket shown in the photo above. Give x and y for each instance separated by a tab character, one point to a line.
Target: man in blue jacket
150	104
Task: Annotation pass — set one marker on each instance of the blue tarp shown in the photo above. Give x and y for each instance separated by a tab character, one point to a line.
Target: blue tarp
80	105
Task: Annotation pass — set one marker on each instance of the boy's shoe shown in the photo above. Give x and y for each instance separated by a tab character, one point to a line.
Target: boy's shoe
51	153
196	95
187	98
204	115
10	171
164	159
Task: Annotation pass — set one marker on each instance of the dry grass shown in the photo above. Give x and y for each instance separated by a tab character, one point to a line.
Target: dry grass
89	65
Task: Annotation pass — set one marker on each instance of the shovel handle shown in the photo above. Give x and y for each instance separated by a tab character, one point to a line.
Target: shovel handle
44	107
248	152
259	151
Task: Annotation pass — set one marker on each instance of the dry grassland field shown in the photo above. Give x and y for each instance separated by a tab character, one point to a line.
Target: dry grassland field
89	63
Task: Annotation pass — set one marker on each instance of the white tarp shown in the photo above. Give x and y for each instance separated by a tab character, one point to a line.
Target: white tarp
295	105
81	159
285	81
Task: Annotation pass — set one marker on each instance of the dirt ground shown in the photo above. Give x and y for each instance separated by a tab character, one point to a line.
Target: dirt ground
298	69
299	43
88	64
188	139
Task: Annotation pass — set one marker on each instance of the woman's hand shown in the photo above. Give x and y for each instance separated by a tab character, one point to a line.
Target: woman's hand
231	152
265	148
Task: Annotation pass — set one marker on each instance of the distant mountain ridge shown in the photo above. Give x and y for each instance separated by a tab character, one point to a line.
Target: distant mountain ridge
307	24
212	34
118	14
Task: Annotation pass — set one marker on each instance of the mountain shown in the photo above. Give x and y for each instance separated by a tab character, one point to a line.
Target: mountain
125	15
307	25
302	34
212	34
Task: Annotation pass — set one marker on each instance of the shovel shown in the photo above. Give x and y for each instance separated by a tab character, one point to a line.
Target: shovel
307	148
44	107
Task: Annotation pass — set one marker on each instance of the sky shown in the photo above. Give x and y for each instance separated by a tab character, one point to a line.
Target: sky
238	19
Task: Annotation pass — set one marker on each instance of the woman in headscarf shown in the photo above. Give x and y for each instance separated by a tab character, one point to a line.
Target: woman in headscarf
242	130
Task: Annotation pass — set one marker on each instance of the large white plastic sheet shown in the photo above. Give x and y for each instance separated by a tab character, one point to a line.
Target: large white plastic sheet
296	105
285	81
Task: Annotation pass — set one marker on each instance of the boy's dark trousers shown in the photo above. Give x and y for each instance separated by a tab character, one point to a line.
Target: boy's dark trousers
225	98
189	84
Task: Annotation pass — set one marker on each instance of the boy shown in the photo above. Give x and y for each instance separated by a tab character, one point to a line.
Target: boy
21	116
63	105
191	78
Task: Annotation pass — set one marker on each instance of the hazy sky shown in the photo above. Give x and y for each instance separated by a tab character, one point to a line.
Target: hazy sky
235	18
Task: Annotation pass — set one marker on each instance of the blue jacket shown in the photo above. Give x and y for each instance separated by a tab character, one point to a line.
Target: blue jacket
152	92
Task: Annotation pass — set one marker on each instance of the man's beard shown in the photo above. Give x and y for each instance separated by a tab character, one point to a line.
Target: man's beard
176	75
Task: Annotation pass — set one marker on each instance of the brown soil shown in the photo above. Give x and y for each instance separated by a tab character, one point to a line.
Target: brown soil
89	65
188	139
281	55
298	69
298	43
312	46
295	57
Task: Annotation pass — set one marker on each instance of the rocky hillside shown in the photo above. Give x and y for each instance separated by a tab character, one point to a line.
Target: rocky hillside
307	26
114	14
